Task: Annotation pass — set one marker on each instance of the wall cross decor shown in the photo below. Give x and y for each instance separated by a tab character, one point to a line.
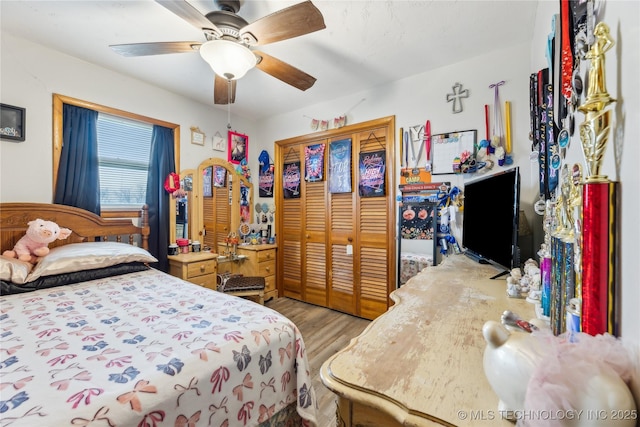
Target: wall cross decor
456	97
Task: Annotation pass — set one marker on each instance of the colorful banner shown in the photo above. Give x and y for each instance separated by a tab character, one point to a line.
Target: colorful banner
340	166
265	181
291	180
314	162
372	168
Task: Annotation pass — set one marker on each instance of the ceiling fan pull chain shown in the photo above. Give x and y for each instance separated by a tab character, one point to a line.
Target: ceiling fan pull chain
228	104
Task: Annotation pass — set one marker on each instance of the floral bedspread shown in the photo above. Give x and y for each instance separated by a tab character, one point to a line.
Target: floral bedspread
147	349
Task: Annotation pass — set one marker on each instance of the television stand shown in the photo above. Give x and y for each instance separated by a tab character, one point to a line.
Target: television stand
502	273
482	260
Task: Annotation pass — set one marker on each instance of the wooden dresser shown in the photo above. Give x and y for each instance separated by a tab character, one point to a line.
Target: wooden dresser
420	363
195	267
259	260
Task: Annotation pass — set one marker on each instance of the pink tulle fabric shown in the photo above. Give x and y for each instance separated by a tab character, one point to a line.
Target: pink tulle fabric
572	359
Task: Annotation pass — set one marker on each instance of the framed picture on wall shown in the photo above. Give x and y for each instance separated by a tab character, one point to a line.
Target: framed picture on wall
12	122
238	147
197	136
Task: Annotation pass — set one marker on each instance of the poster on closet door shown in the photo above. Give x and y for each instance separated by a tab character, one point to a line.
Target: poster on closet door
291	180
314	162
372	172
340	166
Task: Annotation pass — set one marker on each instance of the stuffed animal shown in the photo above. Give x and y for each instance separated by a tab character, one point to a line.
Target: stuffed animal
543	380
35	243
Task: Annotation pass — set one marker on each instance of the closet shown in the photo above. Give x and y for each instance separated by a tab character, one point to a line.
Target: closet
338	250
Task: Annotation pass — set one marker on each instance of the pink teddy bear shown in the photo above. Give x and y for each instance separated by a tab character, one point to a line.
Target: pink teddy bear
39	234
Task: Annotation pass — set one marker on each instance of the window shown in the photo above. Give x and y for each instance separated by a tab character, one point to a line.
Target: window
124	141
123	151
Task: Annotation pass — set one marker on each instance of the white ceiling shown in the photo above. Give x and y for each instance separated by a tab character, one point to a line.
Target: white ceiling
366	42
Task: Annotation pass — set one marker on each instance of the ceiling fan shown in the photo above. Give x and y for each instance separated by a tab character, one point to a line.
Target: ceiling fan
229	39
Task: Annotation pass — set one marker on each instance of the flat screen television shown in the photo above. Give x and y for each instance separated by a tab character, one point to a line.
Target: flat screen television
490	221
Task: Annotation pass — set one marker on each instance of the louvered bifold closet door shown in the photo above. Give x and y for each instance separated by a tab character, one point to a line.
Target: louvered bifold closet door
373	258
289	236
314	240
338	249
341	285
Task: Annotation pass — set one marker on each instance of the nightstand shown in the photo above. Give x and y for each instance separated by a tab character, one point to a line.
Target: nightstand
195	267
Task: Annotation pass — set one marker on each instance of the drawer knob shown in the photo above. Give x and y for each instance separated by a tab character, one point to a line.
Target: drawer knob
268	268
202	268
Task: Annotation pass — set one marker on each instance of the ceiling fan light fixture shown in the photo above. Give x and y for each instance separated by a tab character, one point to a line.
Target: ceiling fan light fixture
228	59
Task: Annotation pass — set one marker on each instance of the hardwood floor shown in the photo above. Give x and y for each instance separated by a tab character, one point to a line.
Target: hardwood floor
325	332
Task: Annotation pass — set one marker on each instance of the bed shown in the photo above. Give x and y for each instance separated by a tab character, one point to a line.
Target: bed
92	336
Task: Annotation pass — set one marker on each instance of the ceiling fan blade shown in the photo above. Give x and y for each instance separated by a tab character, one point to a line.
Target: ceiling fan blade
159	48
221	90
189	13
283	71
297	20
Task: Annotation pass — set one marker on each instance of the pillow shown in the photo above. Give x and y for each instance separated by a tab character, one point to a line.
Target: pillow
87	256
14	270
46	282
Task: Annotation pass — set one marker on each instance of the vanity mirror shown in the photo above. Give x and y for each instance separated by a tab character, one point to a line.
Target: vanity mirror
223	202
182	208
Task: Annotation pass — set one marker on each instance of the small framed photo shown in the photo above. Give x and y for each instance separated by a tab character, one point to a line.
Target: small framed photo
238	148
218	142
12	122
197	136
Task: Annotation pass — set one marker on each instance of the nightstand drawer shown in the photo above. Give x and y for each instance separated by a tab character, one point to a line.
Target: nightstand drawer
195	269
268	255
270	283
209	281
267	268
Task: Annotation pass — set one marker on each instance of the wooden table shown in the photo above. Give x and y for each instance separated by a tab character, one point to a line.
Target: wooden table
420	363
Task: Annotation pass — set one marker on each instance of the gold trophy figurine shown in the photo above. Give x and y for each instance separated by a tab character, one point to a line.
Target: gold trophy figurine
594	132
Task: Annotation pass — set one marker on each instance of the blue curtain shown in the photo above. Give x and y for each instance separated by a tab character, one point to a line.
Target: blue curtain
78	182
161	164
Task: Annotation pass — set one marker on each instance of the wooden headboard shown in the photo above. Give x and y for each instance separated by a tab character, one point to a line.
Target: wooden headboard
86	226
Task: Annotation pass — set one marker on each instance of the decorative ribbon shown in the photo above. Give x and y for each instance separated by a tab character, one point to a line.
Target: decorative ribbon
264	334
218	378
566	61
84	395
131	397
427	142
183	421
266	413
152	419
496	139
270	384
100	415
285	351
